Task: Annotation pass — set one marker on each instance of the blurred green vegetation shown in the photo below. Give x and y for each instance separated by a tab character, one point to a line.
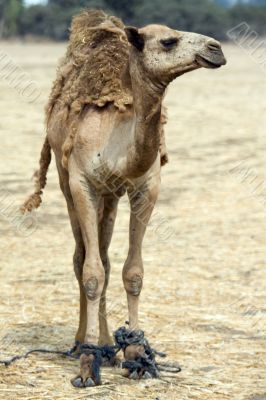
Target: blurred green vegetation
209	17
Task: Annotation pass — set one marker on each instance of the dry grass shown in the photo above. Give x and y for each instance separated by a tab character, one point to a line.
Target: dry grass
203	296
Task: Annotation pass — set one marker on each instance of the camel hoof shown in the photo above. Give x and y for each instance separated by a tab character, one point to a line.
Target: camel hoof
87	377
89	383
146	375
134	375
77	382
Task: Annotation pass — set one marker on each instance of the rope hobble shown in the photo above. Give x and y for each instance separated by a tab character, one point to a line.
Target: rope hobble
145	364
100	353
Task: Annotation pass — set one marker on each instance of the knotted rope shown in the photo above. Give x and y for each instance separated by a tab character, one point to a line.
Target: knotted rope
145	362
123	337
100	353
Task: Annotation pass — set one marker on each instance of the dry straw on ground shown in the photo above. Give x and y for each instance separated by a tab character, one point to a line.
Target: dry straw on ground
202	300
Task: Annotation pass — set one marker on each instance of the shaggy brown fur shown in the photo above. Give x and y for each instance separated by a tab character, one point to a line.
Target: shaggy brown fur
90	72
34	201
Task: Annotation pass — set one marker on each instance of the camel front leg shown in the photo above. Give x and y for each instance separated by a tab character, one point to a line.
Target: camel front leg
106	226
79	255
86	202
142	201
78	261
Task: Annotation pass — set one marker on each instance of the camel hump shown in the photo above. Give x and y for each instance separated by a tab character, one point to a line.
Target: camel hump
96	57
85	22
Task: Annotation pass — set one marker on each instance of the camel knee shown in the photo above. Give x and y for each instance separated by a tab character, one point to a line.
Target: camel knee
91	287
133	280
93	281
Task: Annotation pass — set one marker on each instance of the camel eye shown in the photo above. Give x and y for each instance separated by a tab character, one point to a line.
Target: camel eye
169	43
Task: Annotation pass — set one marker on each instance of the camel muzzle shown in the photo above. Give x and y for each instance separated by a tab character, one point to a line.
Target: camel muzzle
212	57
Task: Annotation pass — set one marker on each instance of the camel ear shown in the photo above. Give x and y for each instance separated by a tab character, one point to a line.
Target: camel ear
134	37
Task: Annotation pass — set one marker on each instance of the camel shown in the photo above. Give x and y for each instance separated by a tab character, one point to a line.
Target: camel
105	125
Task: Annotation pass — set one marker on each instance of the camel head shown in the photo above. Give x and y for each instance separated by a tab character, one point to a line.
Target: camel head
165	53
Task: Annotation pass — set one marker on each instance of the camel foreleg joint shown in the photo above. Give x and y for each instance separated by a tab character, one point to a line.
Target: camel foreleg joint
133	284
91	288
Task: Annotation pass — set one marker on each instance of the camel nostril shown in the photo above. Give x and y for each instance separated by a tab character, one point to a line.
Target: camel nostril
214	46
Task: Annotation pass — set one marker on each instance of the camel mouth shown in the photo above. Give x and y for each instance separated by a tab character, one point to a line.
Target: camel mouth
207	63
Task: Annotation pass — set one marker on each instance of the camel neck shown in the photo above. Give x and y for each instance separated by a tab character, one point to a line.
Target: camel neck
147	100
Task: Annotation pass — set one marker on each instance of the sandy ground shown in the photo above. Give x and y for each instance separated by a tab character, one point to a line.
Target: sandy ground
204	252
